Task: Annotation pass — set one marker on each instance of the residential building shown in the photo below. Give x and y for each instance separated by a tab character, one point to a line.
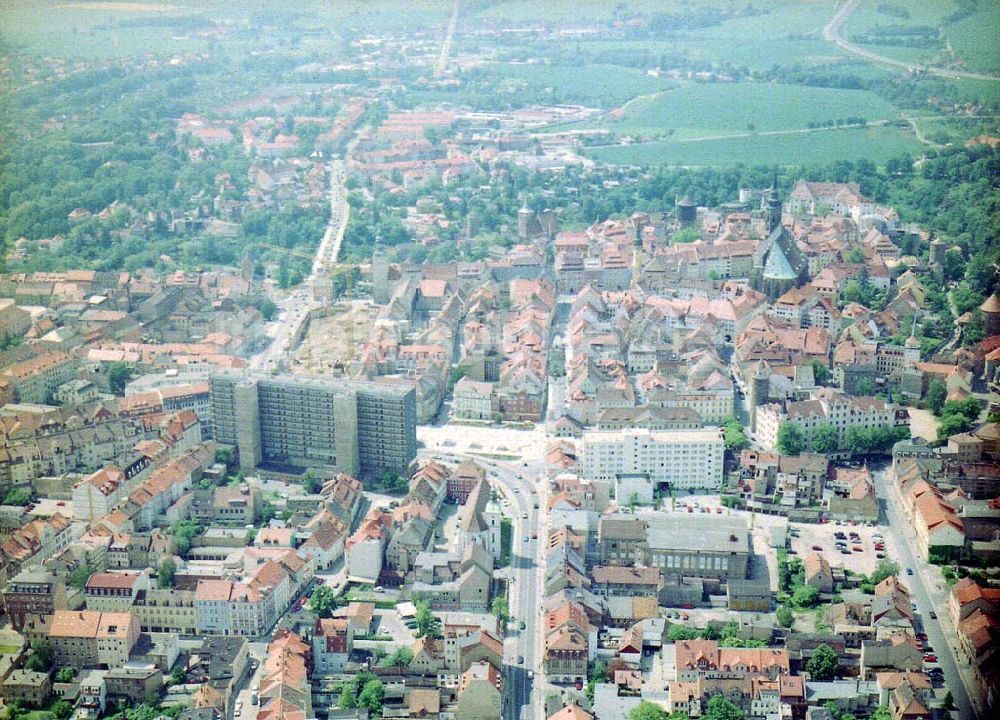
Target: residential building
89	639
114	591
33	591
480	693
365	428
637	461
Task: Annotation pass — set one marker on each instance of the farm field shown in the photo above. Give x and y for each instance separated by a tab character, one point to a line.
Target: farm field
71	28
972	39
877	144
604	86
695	110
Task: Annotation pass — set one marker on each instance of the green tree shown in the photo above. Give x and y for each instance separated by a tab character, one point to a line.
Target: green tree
266	512
224	456
371	696
821	373
400	657
721	709
791	441
825	438
313	484
79	577
935	396
784	616
677	632
805	596
348	699
322	602
165	573
184	534
882	712
953	425
66	674
62	709
17	496
823	663
648	711
42	655
427	624
948	703
500	609
885	569
118	377
735	438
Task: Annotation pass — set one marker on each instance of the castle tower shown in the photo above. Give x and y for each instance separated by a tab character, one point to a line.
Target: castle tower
380	275
524	217
687	210
991	314
938	248
760	389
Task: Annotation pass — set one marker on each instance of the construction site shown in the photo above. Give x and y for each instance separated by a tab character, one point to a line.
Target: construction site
331	340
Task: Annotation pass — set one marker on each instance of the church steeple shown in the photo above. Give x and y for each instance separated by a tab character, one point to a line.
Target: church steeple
772	206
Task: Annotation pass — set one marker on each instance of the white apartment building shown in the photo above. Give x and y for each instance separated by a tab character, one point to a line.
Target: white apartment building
636	460
827	407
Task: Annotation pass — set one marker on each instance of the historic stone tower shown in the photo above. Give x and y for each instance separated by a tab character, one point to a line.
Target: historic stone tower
991	314
760	389
380	275
687	210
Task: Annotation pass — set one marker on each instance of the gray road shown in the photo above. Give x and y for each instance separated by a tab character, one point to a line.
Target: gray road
524	696
927	589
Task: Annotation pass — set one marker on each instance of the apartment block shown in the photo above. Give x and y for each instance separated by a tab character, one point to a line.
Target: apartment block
361	428
636	461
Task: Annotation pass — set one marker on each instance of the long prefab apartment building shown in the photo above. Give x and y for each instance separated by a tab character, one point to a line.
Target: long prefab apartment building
357	427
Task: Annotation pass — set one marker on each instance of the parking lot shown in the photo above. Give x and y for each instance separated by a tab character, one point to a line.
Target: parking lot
857	554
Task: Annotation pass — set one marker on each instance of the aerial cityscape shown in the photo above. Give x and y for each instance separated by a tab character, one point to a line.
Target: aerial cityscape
500	360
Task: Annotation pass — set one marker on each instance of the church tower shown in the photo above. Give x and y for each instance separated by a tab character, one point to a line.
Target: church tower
771	206
911	349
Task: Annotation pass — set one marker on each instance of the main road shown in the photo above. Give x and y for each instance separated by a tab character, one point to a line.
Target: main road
516	482
831	33
293	308
929	593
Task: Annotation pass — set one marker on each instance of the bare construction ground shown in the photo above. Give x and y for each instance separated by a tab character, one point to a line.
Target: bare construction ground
334	341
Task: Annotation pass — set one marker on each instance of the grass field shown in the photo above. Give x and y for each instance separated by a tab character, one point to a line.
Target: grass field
875	144
698	110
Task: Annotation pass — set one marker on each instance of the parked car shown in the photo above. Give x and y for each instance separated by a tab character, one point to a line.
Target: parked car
930	658
909	571
818	548
520	659
933	615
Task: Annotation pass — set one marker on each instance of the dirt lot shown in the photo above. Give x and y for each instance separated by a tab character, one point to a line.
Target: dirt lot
328	341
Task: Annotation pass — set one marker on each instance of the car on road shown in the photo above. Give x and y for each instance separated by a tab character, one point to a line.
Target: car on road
930	658
524	516
909	571
818	548
520	659
523	625
531	674
525	538
933	615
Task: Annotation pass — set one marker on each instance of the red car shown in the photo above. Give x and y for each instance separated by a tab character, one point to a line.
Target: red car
579	685
930	658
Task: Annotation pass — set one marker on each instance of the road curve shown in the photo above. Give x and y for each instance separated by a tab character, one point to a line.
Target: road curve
831	34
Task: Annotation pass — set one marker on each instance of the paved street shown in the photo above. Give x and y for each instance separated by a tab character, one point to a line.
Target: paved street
929	592
516	481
